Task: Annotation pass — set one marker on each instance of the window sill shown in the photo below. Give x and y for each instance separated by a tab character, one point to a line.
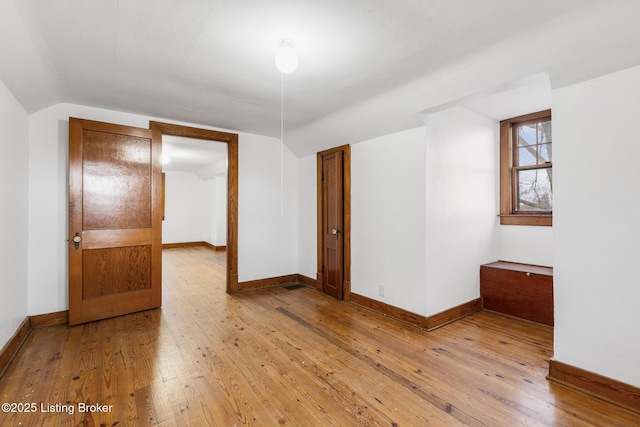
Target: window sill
523	219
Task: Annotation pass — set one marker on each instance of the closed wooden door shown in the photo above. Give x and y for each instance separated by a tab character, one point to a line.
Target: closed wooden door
115	246
333	223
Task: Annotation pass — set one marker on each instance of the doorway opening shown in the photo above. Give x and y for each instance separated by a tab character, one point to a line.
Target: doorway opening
159	130
194	182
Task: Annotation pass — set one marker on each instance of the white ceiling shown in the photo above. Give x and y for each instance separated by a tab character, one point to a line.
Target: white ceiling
367	67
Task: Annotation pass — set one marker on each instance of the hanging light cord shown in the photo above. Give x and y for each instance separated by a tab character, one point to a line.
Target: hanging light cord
281	146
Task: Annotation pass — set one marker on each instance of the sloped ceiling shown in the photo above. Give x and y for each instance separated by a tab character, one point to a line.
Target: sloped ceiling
367	67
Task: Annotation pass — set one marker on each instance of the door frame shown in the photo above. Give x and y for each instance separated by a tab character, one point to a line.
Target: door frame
231	139
346	195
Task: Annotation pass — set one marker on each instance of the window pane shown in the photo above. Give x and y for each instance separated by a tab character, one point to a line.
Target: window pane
545	153
527	135
535	190
527	156
544	132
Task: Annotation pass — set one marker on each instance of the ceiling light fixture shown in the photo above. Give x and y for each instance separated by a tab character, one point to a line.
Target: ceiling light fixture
286	56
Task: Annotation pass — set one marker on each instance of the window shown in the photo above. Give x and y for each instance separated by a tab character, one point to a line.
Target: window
526	179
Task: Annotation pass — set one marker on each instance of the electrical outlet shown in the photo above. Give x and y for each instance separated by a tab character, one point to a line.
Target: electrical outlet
381	290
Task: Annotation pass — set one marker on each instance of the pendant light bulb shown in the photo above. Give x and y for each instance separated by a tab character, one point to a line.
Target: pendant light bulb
286	56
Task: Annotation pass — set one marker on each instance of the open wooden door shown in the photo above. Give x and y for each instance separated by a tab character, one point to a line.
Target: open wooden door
115	220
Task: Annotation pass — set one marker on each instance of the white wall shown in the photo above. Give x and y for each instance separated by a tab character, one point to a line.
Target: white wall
307	218
14	127
423	212
596	225
186	208
461	209
388	201
525	244
266	245
268	217
216	221
210	228
220	206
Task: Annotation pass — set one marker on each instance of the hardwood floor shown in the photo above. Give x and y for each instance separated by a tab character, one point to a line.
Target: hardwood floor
288	357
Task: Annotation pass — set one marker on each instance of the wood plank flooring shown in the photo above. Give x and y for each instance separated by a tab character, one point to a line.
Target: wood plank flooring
296	357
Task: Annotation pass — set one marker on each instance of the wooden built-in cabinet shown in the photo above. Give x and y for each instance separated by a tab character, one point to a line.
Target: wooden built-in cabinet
519	290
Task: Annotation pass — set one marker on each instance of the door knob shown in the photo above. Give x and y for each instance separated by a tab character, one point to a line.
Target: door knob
336	232
76	240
